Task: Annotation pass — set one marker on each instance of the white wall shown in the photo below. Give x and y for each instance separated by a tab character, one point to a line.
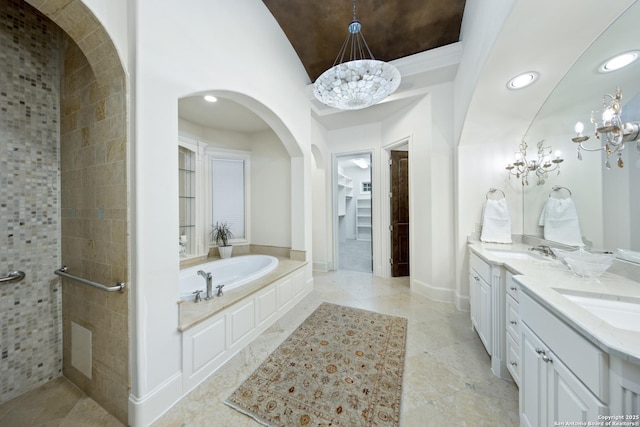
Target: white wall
481	24
321	198
182	49
431	189
430	132
270	191
215	137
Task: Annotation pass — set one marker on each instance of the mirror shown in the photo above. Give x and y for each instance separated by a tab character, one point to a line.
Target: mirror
607	201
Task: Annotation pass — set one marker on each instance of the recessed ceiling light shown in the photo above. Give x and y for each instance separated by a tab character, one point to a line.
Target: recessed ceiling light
619	61
522	80
210	98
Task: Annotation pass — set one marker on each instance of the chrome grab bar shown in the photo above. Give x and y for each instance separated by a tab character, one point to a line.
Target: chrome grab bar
14	276
63	272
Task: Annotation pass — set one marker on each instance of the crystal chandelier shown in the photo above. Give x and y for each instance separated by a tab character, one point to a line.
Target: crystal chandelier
361	81
611	132
541	166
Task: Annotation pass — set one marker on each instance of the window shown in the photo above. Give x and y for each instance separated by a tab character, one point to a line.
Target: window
366	187
187	200
229	193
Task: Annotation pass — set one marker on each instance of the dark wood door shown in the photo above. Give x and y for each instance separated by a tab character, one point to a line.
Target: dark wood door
399	213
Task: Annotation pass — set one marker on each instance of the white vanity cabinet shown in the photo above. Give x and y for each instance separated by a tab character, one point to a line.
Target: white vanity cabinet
512	326
487	296
481	310
564	377
625	388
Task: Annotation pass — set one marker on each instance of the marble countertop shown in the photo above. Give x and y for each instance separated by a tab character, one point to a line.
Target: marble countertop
547	281
191	314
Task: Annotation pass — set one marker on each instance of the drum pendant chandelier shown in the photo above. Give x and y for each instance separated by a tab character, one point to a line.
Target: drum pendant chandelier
361	81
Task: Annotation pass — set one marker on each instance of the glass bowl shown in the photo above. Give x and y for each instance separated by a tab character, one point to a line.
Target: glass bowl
584	263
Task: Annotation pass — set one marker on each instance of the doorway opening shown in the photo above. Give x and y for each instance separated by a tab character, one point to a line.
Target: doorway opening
354	226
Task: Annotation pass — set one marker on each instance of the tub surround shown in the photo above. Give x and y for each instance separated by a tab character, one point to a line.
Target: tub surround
213	331
546	281
192	314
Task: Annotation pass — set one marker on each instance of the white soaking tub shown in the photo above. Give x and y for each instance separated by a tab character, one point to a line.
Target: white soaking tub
231	272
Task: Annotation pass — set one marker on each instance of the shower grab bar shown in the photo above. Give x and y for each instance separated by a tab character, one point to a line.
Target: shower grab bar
14	276
63	272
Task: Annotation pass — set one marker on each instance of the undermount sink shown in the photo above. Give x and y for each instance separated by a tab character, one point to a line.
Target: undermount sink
622	314
515	254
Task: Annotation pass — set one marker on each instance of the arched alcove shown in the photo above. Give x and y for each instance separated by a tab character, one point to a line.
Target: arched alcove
239	123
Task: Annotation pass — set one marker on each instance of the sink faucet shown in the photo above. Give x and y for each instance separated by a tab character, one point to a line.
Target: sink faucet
544	250
208	278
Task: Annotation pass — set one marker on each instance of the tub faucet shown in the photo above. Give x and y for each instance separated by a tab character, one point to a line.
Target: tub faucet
209	279
219	288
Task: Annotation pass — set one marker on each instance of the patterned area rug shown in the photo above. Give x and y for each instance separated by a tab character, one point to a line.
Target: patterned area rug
342	367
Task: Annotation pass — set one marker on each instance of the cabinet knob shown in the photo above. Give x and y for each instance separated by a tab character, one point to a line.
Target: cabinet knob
513	288
540	351
514	363
547	359
476	278
513	322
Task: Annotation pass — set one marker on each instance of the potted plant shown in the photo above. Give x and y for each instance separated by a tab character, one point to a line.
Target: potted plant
221	233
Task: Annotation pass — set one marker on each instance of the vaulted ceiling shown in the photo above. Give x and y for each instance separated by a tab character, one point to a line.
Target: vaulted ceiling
392	28
317	29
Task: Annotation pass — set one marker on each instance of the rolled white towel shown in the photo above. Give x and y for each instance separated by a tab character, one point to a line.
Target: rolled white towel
496	222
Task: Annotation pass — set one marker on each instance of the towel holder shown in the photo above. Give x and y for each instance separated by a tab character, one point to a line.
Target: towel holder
558	188
493	191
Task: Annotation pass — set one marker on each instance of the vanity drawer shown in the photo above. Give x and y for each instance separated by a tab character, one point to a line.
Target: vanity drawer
584	359
479	266
512	286
513	359
512	318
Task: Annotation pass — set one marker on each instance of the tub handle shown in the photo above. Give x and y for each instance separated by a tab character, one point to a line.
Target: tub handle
197	293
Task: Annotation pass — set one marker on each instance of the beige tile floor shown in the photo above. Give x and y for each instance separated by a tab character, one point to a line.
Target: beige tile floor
447	378
57	403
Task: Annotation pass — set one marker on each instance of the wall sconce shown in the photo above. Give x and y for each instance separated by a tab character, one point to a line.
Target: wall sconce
542	165
611	131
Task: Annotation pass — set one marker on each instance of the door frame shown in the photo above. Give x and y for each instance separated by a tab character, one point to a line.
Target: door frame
335	259
385	205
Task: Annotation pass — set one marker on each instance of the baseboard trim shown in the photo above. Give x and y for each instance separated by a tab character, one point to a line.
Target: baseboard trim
462	303
321	266
145	410
432	292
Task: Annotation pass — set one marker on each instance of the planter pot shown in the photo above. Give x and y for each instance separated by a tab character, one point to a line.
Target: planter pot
225	251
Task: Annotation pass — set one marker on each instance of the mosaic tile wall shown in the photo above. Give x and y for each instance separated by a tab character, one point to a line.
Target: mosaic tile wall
30	311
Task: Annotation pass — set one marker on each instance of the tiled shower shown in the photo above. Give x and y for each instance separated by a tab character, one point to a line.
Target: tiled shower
63	199
30	310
